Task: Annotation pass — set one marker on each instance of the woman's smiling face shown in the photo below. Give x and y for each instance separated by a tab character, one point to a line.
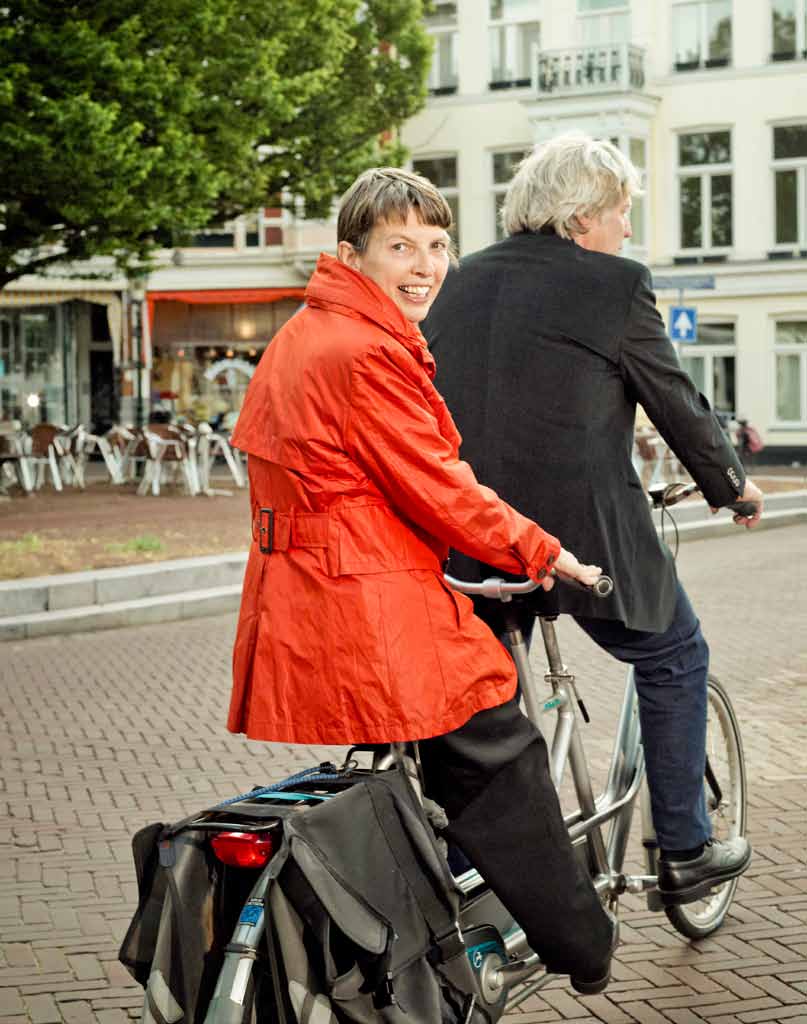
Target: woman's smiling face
408	261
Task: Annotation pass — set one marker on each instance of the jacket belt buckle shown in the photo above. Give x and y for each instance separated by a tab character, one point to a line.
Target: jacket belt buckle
266	530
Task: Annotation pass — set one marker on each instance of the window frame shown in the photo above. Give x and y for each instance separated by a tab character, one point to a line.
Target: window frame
799	165
448	191
437	31
800	53
709	352
499	188
778	349
704	171
704	63
615	9
525	81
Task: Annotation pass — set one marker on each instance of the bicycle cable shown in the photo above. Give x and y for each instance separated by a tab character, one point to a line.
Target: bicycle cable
666	493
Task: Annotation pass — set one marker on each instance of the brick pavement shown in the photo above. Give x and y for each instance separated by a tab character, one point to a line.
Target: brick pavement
104	733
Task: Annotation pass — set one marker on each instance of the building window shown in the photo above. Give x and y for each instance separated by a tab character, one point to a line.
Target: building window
215	236
504	167
790	184
636	151
790	355
702	34
711	363
442	172
442	25
704	181
788	29
603	22
272	223
513	33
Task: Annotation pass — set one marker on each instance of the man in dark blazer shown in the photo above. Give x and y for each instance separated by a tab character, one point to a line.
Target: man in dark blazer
545	342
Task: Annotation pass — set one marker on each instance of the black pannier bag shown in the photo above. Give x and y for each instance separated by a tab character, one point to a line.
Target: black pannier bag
361	916
188	906
365	913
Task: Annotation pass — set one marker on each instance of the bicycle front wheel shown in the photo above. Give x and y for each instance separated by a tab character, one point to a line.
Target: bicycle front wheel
725	792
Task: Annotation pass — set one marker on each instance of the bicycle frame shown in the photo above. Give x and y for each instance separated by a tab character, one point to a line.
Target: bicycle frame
604	855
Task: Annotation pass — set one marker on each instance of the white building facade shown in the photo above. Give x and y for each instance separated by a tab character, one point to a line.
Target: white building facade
709	98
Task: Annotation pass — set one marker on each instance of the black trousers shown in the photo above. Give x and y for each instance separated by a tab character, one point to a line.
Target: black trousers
492	778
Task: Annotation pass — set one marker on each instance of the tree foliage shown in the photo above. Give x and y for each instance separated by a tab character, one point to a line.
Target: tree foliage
122	121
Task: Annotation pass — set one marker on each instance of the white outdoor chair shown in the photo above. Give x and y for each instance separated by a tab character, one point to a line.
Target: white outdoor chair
211	444
100	443
45	454
72	459
168	450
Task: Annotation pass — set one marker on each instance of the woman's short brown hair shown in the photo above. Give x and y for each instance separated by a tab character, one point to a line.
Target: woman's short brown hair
388	194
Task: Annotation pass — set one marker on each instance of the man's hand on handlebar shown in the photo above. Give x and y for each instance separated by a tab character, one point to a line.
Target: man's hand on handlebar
748	507
567	565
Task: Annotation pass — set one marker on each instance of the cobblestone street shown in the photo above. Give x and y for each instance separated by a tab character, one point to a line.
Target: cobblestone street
103	733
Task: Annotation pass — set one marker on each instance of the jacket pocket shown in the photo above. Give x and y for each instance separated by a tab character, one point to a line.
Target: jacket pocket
373	538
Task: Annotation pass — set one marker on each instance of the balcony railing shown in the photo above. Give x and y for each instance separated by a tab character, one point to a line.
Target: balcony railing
615	67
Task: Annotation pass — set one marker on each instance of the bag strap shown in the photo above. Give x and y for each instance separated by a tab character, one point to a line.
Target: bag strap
438	913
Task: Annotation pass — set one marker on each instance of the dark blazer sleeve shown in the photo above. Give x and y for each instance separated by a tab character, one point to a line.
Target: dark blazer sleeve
683	417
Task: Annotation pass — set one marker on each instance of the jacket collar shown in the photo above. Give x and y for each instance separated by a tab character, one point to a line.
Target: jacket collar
335	286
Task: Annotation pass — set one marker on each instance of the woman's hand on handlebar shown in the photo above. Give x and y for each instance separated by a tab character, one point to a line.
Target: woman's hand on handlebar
566	564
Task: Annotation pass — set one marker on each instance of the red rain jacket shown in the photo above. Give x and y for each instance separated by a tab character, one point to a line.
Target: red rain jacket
347	631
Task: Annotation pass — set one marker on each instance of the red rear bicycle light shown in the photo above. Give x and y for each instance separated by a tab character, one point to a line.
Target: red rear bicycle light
243	849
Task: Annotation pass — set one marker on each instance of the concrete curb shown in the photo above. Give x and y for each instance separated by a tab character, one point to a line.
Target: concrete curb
127	596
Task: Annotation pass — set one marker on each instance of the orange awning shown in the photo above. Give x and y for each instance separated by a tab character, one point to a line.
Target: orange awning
221	296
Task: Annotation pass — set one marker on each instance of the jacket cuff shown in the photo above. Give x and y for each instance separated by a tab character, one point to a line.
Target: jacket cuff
539	567
727	490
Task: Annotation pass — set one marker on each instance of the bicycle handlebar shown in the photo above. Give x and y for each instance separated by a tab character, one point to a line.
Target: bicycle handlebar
503	591
663	496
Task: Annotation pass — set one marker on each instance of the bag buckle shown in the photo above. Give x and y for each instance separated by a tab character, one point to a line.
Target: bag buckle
266	530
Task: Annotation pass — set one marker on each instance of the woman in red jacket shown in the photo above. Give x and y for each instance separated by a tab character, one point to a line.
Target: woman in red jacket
348	632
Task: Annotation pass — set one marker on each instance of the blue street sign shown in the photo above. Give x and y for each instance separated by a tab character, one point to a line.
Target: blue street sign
684	323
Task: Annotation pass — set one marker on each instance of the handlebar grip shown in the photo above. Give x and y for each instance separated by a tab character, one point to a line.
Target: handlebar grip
748	509
603	587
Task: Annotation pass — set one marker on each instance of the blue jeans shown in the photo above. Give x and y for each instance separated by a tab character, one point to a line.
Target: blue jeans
670	670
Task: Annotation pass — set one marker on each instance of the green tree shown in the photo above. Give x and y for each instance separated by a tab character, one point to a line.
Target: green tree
124	122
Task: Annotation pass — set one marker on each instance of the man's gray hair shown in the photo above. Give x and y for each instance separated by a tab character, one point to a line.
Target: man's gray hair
563	178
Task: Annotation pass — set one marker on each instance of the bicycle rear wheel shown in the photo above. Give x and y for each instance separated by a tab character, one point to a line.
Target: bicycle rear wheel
726	802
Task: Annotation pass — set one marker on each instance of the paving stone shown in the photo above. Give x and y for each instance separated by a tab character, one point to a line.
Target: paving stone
10	1003
43	1009
77	1012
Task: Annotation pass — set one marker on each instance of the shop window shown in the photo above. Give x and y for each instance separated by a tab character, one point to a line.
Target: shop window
504	166
442	172
512	34
711	363
442	25
204	355
788	30
790	359
790	186
32	383
705	191
701	34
